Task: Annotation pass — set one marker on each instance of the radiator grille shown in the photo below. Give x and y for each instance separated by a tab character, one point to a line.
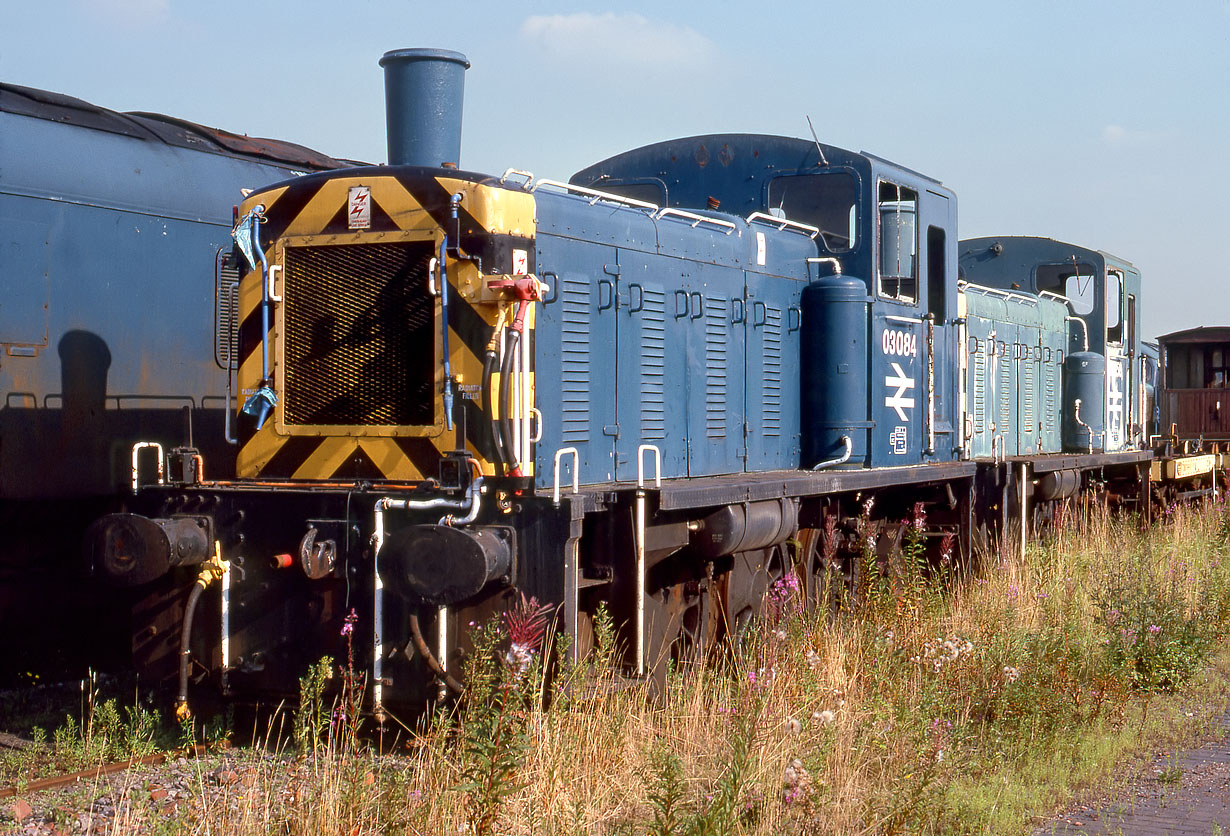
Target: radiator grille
360	343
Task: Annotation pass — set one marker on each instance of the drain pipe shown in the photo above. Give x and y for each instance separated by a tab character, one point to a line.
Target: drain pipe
842	459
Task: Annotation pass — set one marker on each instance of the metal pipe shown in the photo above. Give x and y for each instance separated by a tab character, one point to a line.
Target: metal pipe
225	626
1024	507
1084	327
1088	429
473	497
842	459
260	254
448	373
378	610
442	648
836	262
640	546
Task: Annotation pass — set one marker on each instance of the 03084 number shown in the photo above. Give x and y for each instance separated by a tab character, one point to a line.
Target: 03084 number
900	343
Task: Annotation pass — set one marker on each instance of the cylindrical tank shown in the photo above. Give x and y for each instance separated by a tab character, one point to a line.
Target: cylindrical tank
441	565
423	94
897	238
834	369
1084	380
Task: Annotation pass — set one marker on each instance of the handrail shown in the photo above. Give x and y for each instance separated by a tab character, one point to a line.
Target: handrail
576	473
1084	325
595	194
695	218
136	465
835	261
529	177
997	291
640	464
782	223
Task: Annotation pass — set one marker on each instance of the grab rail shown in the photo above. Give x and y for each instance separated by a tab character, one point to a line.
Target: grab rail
576	472
595	194
695	218
782	223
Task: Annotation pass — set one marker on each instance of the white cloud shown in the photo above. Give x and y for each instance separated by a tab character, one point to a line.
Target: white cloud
1119	136
609	38
128	13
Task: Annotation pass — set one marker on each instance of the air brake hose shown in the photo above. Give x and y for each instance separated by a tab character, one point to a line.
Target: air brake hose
490	363
416	635
213	569
185	638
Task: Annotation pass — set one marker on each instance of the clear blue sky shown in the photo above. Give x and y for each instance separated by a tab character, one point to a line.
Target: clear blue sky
1102	123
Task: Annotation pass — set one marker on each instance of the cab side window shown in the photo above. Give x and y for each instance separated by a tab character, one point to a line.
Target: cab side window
898	217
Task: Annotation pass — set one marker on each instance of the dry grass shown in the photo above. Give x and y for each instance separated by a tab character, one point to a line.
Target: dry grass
971	710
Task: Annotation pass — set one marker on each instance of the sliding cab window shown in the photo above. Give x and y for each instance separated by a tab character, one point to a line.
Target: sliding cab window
827	201
1114	307
898	215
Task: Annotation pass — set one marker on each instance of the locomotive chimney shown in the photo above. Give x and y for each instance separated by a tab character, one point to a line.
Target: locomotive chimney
423	93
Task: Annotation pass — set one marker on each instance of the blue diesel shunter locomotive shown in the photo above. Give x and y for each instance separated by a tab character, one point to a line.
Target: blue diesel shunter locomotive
116	326
655	388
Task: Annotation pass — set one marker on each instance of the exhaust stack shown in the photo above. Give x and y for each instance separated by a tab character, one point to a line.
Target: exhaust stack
423	93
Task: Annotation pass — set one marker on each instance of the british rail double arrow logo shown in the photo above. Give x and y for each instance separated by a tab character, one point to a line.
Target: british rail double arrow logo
898	401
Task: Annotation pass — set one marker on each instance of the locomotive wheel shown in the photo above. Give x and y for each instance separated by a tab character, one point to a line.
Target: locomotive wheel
749	581
681	627
827	582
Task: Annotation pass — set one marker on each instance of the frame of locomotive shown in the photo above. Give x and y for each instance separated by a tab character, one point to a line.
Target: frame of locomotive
712	371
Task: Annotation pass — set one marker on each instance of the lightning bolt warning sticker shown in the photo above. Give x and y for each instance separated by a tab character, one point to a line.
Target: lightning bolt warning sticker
359	206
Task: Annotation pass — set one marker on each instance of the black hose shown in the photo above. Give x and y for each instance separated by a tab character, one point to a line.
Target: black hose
506	434
185	638
416	635
489	363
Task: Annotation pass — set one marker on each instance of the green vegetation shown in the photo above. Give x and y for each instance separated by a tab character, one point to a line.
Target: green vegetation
915	704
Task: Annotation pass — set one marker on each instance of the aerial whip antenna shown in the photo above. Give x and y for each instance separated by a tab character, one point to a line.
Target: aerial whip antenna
820	150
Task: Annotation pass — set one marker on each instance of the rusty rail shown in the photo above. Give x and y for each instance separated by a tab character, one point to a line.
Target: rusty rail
97	772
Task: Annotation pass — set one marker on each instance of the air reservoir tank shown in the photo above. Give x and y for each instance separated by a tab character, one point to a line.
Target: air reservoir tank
834	370
1084	400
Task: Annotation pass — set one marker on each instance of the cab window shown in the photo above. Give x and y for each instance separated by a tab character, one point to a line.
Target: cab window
1114	307
827	200
898	216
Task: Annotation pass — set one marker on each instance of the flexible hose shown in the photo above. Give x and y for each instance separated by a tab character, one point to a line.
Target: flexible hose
416	635
510	351
489	365
185	639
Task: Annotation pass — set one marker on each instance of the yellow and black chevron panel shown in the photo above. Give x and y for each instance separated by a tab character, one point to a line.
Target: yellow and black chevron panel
355	340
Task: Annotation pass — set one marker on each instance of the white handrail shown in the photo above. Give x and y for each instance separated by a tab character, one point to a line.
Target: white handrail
782	223
529	177
640	465
695	218
136	468
576	471
595	194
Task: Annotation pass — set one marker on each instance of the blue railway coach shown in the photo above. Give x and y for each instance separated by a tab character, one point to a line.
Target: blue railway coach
116	326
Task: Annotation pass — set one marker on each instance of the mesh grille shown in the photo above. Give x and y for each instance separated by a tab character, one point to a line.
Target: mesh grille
360	341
